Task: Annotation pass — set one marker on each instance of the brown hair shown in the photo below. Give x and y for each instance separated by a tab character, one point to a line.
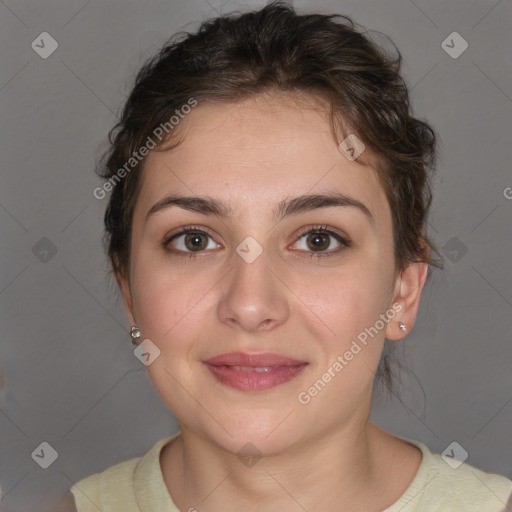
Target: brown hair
274	49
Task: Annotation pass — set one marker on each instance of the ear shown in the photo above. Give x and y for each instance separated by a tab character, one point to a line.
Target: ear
124	285
407	294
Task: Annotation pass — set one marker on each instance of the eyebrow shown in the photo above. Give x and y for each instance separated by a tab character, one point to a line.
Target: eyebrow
210	206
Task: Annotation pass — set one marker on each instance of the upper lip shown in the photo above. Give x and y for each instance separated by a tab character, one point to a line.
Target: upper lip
252	360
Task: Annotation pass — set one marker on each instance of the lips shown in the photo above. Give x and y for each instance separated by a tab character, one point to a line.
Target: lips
252	360
253	372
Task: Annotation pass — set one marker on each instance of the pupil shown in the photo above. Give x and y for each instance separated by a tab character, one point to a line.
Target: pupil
318	240
195	238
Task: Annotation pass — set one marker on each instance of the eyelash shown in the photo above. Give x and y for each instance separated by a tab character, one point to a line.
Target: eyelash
310	230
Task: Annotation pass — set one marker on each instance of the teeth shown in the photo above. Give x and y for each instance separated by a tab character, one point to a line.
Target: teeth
252	369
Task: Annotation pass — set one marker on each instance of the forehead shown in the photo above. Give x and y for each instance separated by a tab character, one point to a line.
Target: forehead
254	152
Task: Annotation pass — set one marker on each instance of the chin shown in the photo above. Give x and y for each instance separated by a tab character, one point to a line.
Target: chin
260	437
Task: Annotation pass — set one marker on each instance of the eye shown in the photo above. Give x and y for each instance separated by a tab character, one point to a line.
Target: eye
318	239
192	240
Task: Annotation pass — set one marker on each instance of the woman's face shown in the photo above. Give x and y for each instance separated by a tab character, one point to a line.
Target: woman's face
257	281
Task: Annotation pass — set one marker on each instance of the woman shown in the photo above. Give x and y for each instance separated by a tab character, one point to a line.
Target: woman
266	225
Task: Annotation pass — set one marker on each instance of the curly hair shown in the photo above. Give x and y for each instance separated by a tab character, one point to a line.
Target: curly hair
327	57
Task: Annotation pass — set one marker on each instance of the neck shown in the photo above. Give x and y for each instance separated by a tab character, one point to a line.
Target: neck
319	474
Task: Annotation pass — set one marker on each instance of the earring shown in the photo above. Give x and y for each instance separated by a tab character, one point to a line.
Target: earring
402	326
135	334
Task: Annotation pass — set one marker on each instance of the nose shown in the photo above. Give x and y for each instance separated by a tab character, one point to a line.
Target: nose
253	297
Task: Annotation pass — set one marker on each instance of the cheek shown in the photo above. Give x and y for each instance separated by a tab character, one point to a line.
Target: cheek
351	306
168	313
159	296
166	306
351	347
347	301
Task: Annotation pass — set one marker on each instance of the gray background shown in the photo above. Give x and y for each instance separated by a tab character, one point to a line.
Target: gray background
71	377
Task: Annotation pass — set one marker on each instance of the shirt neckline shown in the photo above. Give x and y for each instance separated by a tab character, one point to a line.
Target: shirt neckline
148	480
422	477
151	489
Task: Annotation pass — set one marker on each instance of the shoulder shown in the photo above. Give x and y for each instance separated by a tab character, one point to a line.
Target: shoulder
467	486
443	483
117	480
117	486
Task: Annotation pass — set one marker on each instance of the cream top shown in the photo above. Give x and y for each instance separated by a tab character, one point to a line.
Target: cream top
137	485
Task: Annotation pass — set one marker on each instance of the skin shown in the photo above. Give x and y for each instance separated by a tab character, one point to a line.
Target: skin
320	456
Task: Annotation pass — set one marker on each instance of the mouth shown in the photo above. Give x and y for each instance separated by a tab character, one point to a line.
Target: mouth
254	372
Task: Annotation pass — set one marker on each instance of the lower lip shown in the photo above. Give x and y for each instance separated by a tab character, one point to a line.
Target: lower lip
255	381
